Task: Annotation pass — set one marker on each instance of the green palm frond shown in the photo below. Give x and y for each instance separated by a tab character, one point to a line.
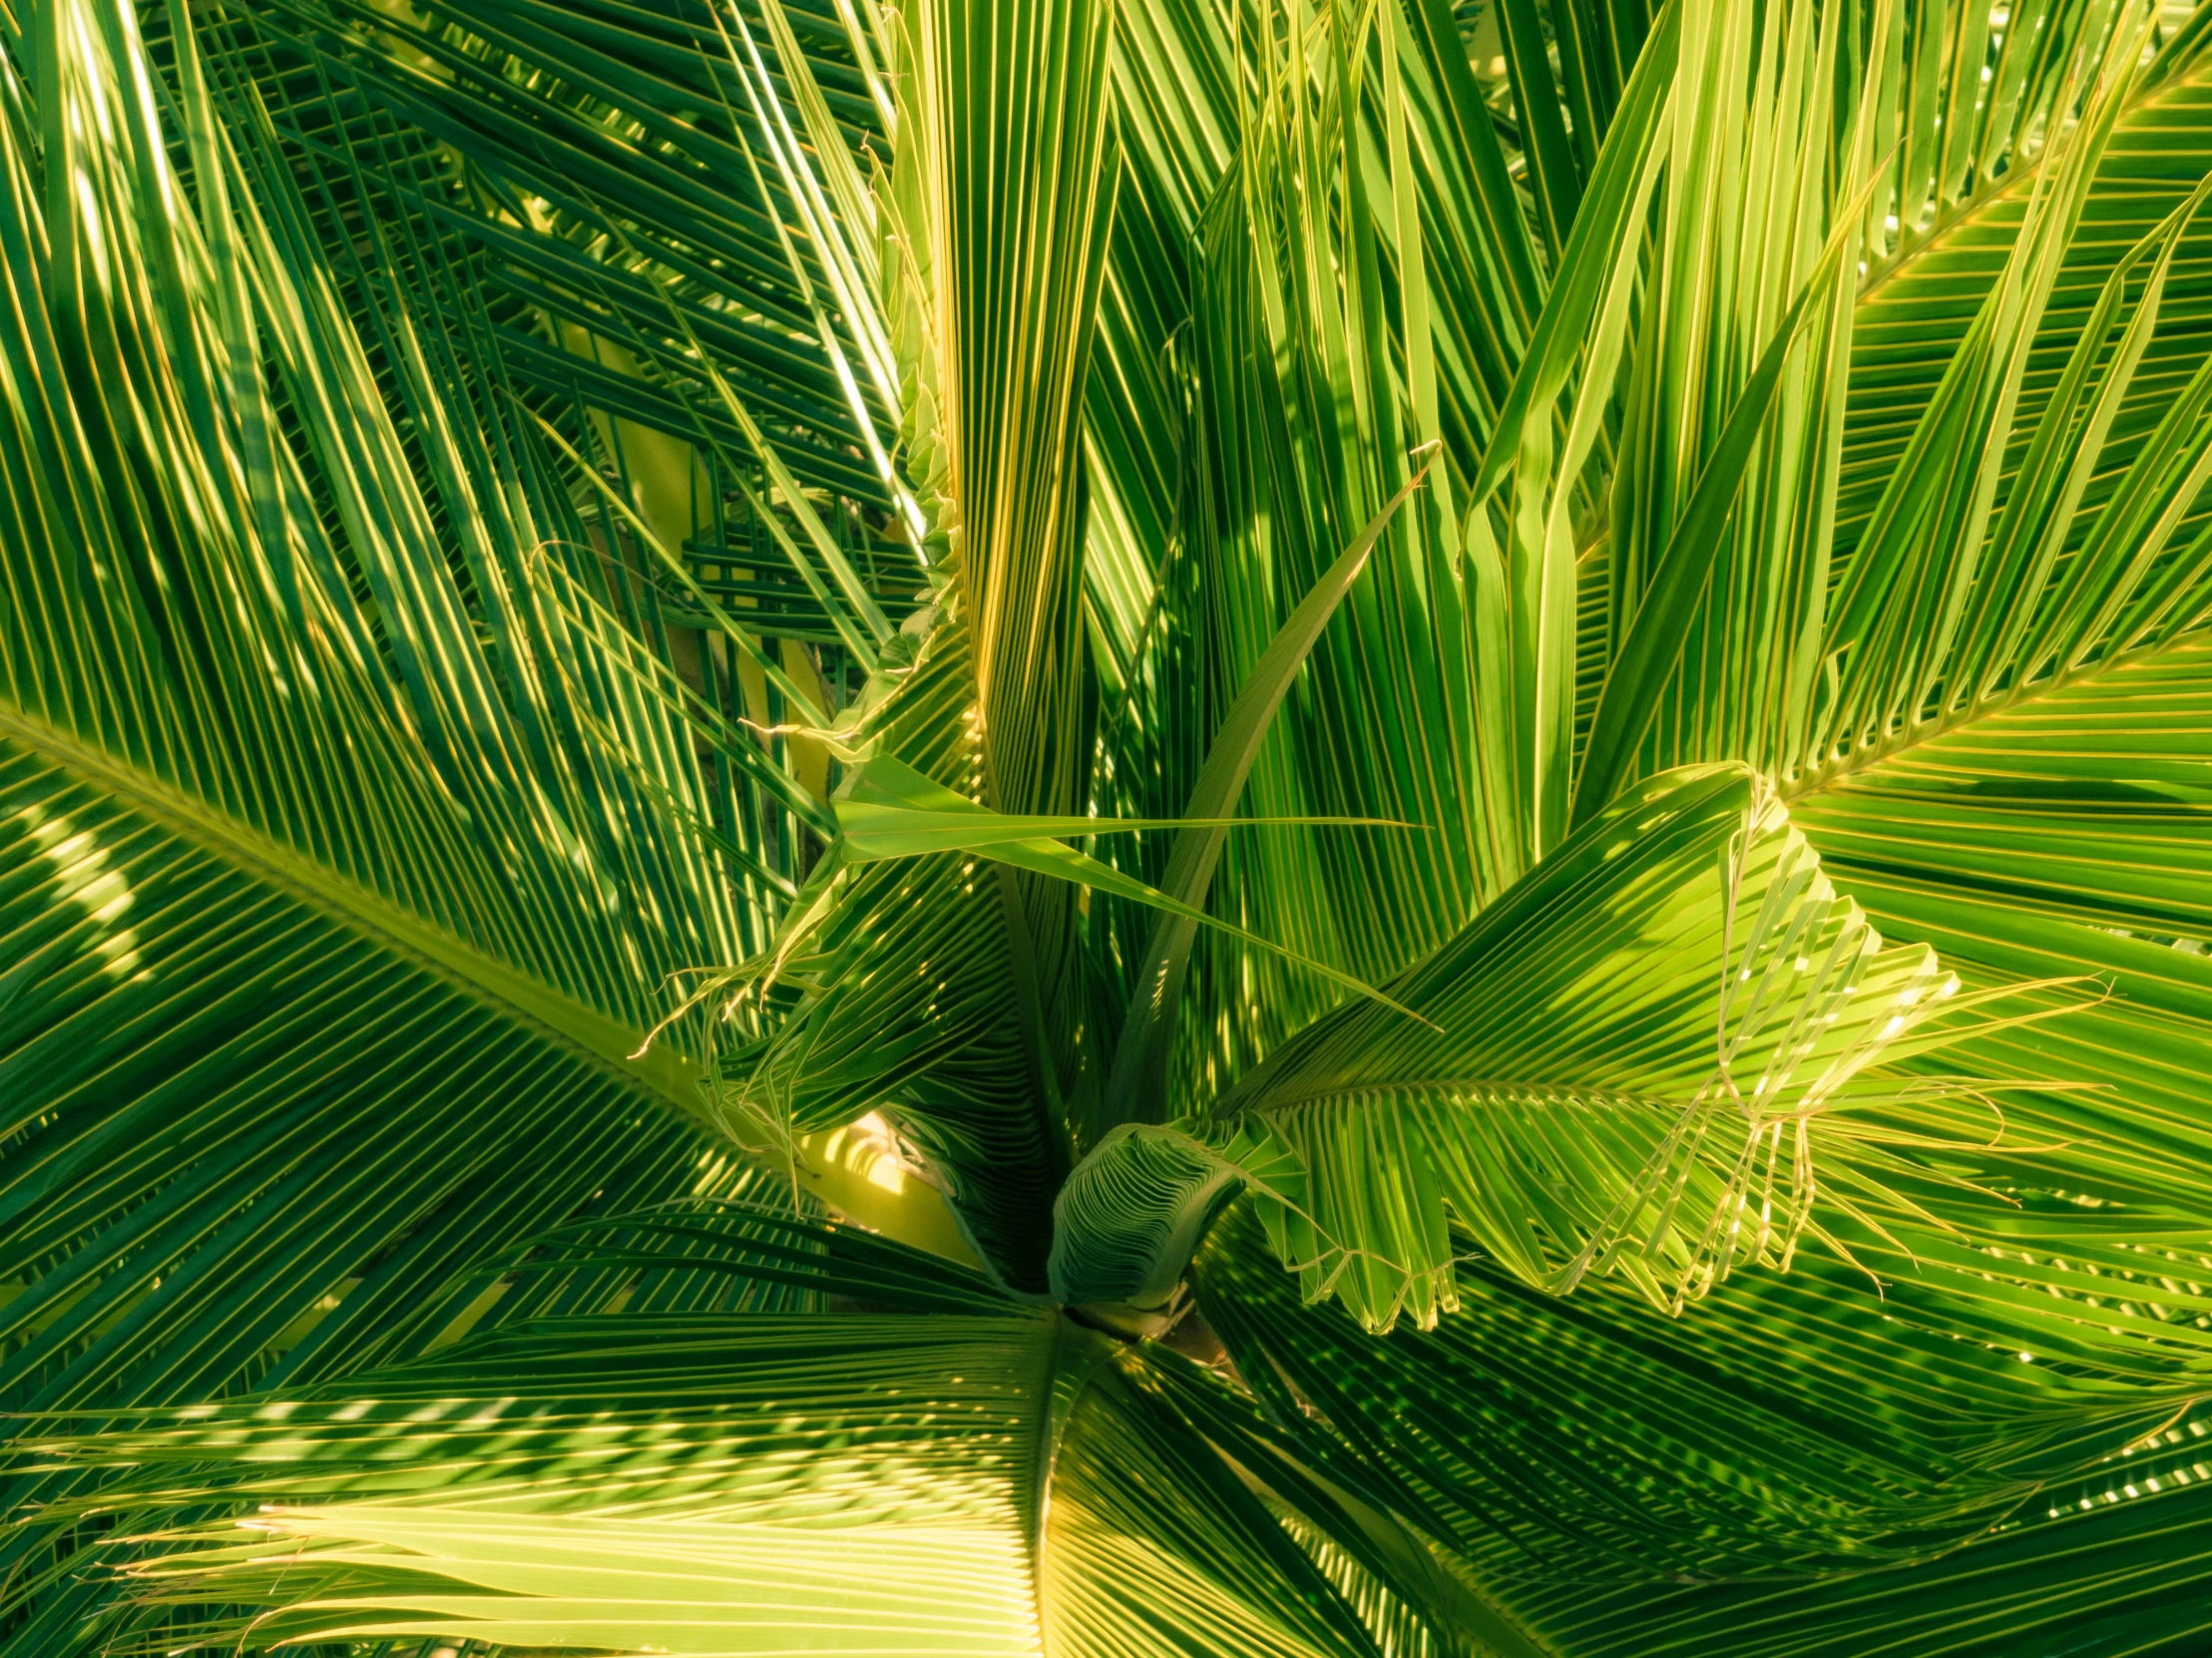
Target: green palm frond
1564	1095
1339	830
307	871
634	1481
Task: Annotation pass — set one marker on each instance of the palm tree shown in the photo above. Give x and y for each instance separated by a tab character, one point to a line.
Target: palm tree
1294	827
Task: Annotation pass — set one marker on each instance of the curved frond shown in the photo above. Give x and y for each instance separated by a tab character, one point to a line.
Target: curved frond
1629	1064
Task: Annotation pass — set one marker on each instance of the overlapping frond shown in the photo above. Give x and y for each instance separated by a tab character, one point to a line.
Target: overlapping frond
268	785
338	853
1784	1432
573	572
1623	1067
945	1471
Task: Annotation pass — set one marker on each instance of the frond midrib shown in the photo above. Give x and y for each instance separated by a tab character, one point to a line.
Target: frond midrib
559	1018
2147	93
914	1214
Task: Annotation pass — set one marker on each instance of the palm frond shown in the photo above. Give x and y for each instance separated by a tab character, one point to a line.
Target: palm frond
1341	829
703	1481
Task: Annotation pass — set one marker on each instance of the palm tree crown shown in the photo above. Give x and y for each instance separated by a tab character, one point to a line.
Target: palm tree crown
1287	827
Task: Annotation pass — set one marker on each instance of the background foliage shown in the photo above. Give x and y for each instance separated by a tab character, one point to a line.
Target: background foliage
1207	825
